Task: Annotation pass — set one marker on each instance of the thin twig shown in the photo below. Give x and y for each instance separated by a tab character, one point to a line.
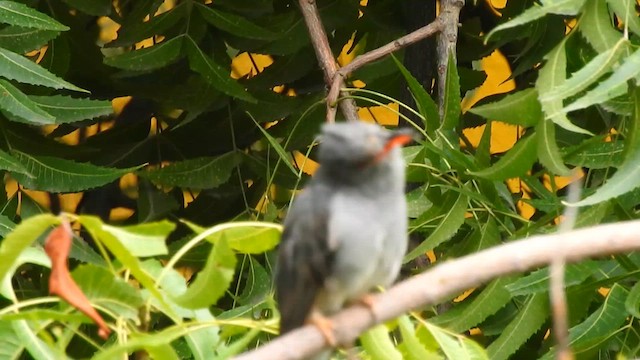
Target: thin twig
447	40
451	278
324	54
557	294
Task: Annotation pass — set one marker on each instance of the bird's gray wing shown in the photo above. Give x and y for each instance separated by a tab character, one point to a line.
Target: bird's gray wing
304	259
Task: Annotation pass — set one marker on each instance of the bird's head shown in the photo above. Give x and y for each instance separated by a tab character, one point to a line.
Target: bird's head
358	145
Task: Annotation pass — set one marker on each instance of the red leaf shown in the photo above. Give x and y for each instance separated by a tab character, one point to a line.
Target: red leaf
57	247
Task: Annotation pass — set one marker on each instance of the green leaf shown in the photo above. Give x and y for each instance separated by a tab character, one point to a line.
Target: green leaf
284	157
551	76
609	88
520	108
17	67
596	154
66	109
213	280
470	313
21	39
108	291
46	315
411	347
198	173
426	106
60	175
626	11
560	7
451	111
215	74
451	221
143	239
538	281
91	7
150	58
596	26
483	236
6	225
588	74
234	24
527	322
22	237
17	103
250	238
95	228
626	178
456	346
378	345
8	162
130	34
514	163
14	13
600	326
633	301
548	151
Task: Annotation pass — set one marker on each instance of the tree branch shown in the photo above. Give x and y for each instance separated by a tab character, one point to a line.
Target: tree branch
451	278
447	40
325	55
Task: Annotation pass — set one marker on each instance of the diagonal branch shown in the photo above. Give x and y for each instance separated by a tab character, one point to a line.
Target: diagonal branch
446	43
451	278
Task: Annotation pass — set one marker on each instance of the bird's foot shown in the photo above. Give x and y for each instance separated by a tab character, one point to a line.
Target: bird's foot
325	326
368	301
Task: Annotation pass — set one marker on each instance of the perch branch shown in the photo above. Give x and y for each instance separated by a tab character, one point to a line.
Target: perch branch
446	43
451	278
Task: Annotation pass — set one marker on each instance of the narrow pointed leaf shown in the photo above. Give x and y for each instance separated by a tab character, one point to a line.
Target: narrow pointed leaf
92	7
157	25
150	58
284	157
14	13
514	163
626	178
551	76
411	347
146	239
253	238
60	175
448	226
589	73
596	26
198	173
234	24
22	237
8	162
600	326
527	322
215	74
626	11
465	316
607	89
456	346
548	151
378	345
17	67
15	102
561	7
451	110
538	281
22	39
520	108
426	106
212	281
66	109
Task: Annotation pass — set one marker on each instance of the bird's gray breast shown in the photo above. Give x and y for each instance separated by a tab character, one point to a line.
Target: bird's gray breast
368	235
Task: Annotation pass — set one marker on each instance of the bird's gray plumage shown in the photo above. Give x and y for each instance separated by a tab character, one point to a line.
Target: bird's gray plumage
346	232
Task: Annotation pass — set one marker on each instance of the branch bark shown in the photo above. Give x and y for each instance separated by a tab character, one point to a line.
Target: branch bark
325	56
451	278
446	43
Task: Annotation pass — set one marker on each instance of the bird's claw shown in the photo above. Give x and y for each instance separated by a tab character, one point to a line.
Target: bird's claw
325	326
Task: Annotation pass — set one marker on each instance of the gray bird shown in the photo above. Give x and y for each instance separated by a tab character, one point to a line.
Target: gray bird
346	233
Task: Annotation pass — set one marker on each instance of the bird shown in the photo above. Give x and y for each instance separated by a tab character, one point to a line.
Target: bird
346	232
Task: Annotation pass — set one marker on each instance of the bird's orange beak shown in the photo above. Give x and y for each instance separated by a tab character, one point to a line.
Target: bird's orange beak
398	138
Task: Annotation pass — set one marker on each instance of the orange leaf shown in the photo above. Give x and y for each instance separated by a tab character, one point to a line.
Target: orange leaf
57	247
